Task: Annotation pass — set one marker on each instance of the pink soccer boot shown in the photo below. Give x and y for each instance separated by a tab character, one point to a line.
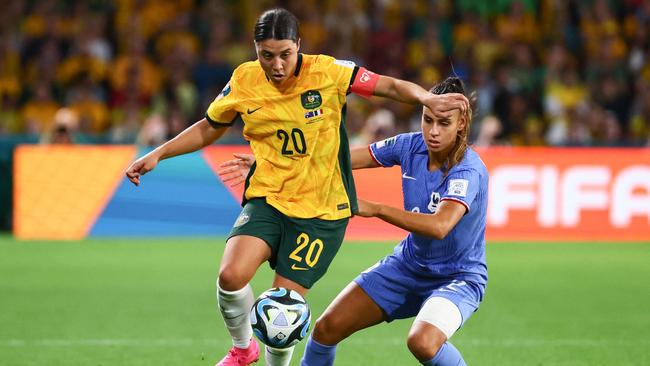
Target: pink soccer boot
241	357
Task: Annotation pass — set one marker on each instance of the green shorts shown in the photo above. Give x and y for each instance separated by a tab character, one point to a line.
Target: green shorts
302	249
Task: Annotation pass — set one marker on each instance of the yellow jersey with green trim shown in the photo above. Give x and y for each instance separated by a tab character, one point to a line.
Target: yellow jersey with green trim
297	135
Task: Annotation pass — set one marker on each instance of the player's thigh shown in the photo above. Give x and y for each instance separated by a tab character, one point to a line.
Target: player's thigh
281	281
242	257
449	305
437	321
307	248
351	311
254	239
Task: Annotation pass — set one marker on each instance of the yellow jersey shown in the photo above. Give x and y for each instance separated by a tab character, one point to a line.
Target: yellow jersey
297	135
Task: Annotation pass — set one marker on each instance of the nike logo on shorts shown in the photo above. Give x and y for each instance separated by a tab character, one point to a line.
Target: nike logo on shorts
296	268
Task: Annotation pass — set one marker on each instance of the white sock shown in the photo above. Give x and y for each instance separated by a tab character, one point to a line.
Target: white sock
278	357
235	308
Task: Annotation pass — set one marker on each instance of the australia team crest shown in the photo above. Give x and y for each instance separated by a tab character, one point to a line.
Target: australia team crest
311	99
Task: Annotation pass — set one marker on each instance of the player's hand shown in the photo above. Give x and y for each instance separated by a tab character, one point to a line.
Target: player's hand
235	171
443	104
367	208
141	167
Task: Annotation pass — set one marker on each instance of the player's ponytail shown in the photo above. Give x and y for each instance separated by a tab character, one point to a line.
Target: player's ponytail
277	24
454	84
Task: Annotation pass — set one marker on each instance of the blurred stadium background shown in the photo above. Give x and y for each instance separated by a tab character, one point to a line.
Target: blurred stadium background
95	271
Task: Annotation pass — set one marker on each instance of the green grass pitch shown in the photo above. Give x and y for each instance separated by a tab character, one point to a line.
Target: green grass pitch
152	302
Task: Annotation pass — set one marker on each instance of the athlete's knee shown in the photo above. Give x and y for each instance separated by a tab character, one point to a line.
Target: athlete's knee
424	342
232	278
329	329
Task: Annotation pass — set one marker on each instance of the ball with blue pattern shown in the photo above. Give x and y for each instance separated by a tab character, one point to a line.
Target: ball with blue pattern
280	317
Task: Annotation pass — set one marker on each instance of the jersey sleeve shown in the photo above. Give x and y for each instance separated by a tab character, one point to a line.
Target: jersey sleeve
462	186
390	151
340	71
349	77
221	112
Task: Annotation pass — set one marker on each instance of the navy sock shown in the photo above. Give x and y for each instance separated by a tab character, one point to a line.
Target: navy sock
447	355
317	354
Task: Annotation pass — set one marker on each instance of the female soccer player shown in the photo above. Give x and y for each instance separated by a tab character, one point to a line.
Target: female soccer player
300	192
438	272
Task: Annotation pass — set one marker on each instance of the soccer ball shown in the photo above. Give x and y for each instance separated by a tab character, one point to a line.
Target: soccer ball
280	317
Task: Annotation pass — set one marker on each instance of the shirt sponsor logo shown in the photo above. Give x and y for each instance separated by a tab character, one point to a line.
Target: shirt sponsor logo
458	187
311	99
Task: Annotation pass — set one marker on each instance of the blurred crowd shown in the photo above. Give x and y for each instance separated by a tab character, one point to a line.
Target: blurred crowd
545	72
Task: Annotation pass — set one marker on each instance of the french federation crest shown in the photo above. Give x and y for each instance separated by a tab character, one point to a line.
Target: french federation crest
433	203
311	99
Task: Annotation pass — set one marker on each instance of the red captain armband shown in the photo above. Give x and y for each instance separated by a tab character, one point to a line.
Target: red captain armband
364	82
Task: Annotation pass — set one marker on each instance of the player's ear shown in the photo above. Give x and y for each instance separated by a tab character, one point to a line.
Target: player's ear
298	45
462	122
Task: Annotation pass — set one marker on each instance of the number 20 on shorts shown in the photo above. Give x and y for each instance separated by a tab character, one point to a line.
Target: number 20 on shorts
308	250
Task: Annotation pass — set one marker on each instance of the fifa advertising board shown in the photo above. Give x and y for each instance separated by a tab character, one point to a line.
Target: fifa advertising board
577	194
535	194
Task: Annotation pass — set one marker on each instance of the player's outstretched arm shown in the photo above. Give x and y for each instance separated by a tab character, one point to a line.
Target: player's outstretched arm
435	226
361	158
191	139
405	91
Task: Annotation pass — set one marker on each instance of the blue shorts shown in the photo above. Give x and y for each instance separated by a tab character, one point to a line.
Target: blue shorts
400	292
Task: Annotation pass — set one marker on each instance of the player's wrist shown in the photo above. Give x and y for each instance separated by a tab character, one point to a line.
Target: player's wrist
158	153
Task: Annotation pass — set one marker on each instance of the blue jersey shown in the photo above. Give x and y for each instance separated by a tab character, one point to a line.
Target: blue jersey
461	254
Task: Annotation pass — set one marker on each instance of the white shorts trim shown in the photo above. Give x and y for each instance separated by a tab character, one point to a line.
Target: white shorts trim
441	313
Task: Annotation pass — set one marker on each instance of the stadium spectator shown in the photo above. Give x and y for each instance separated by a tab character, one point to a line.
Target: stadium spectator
63	129
530	42
296	191
86	101
489	129
38	113
379	125
212	71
